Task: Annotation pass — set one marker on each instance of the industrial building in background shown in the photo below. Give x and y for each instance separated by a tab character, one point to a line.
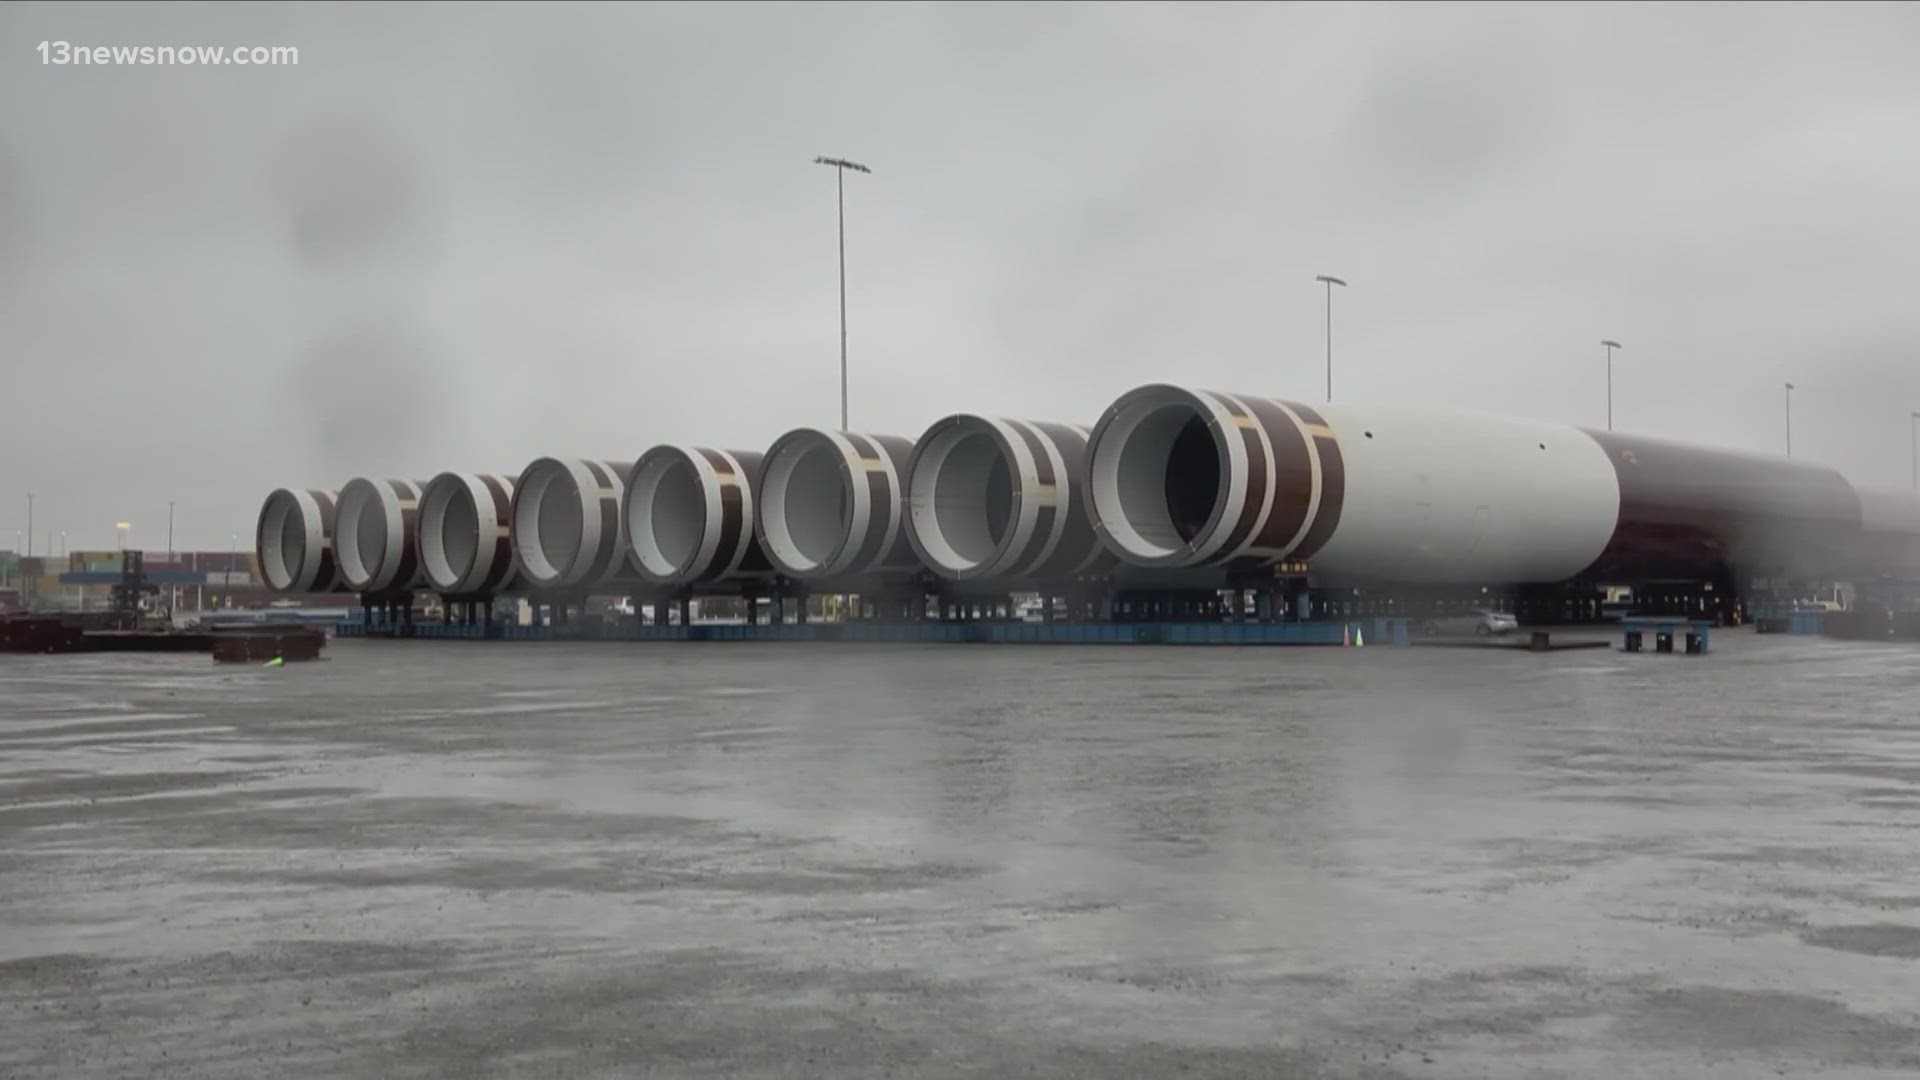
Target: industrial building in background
1176	504
81	581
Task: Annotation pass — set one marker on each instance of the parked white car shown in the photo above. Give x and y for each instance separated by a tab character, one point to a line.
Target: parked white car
1485	622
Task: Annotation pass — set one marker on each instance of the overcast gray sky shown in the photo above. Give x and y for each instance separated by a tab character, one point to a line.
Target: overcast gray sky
465	237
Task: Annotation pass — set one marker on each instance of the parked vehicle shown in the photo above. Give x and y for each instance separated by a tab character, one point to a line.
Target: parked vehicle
1484	622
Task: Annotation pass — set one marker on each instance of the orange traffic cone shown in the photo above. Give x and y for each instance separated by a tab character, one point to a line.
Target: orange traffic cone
1346	636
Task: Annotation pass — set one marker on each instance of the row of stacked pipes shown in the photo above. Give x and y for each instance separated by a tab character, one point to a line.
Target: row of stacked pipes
1177	486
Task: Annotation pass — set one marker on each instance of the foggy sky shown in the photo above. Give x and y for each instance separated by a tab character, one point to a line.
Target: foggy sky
466	237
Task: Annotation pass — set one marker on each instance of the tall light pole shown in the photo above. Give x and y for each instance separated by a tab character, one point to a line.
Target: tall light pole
29	551
1330	282
120	532
840	167
1789	419
1611	345
173	591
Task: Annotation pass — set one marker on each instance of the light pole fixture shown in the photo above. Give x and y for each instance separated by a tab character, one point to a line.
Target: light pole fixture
1610	346
840	167
120	529
1330	281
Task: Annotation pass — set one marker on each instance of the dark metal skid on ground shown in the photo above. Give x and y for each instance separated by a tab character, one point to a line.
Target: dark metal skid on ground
1360	632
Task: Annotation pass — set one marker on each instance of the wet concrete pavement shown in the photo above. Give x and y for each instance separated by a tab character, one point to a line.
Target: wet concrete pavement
457	860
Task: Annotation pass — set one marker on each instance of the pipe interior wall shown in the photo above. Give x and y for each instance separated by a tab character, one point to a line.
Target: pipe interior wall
994	498
832	505
568	530
466	545
690	515
293	540
1192	478
377	535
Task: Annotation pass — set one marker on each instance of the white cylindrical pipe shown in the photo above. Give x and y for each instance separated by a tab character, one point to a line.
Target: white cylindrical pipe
1162	472
690	513
832	505
1181	477
568	530
293	539
376	535
992	498
466	547
1452	496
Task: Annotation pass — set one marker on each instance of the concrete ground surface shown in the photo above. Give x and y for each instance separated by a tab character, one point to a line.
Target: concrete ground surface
801	860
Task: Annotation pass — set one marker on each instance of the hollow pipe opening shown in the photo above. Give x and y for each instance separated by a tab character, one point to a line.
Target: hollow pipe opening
360	533
548	522
1156	476
963	505
282	535
449	533
667	514
807	508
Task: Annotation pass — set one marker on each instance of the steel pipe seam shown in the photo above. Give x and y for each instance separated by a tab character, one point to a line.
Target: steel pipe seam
690	515
293	540
567	530
465	542
376	535
832	504
990	498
